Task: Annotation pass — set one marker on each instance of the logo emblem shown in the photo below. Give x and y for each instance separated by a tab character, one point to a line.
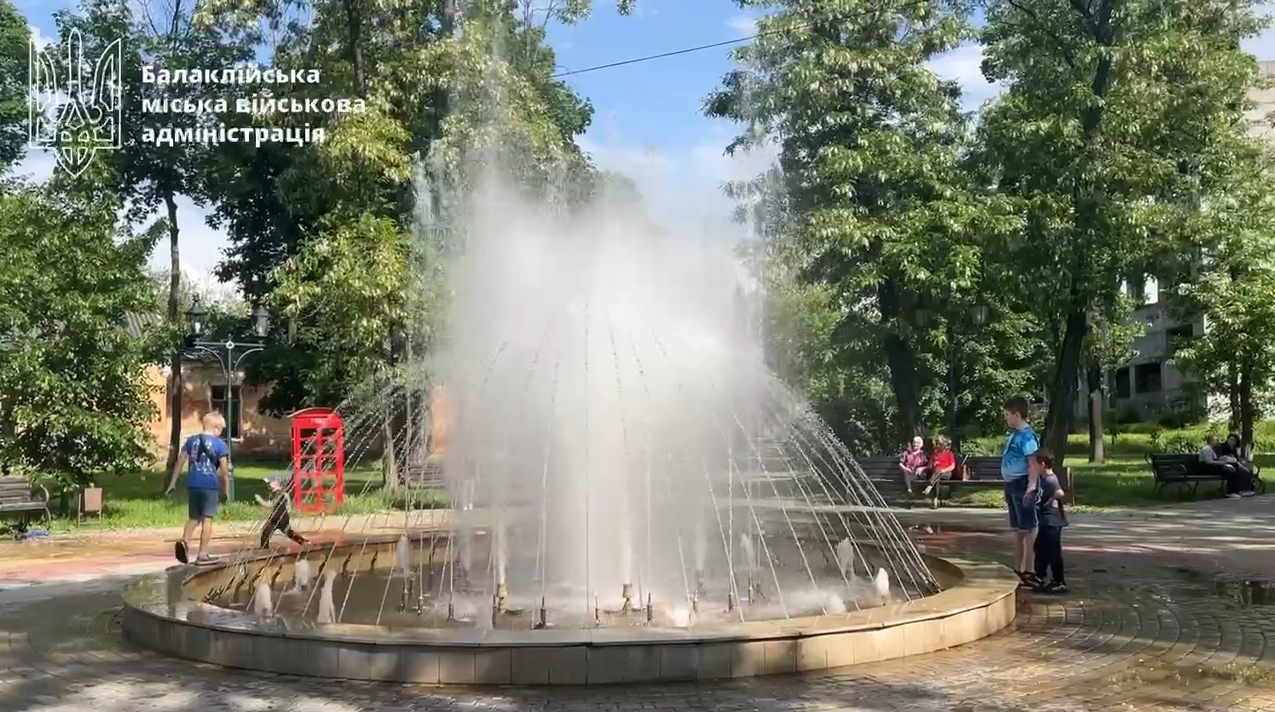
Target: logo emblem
72	114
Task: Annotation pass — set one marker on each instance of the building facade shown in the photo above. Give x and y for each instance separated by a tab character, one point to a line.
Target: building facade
254	434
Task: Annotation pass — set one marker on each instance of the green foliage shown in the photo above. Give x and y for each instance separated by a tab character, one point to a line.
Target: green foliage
74	403
15	36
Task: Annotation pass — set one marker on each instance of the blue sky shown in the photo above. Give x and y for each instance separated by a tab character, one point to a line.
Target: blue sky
648	121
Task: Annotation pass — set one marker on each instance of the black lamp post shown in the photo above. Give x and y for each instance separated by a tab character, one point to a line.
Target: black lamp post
229	354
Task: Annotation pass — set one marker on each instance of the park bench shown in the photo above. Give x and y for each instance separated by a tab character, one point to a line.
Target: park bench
418	476
1183	469
19	497
883	472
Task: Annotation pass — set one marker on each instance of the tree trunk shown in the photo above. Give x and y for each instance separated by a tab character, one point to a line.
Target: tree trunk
354	35
1233	396
901	362
174	308
1248	409
953	390
1062	396
1097	446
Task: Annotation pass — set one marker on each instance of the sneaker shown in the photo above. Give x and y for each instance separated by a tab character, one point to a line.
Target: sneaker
928	490
1232	496
1054	587
205	560
1248	493
181	551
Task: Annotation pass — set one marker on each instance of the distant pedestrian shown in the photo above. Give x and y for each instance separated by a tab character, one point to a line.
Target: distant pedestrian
279	519
1020	487
1053	518
207	481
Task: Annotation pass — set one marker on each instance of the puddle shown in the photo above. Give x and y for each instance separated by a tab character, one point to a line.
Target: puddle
1246	592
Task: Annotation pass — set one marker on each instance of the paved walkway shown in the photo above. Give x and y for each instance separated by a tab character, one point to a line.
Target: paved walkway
1160	619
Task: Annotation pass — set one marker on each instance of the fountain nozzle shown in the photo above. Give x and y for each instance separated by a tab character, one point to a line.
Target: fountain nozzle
502	593
650	609
597	610
730	601
627	592
451	610
695	602
544	616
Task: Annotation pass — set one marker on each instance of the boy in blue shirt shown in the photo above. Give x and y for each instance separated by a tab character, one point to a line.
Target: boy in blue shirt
1020	486
1052	518
207	481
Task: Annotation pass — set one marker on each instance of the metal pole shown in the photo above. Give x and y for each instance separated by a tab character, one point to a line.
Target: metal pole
230	440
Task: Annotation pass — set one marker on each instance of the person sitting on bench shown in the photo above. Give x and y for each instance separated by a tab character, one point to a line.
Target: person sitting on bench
1238	470
913	462
942	463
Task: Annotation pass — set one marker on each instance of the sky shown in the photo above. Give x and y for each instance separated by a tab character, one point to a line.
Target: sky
648	121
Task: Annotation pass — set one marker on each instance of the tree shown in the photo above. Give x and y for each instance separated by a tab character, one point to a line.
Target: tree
869	143
1109	107
75	399
1230	277
15	38
150	175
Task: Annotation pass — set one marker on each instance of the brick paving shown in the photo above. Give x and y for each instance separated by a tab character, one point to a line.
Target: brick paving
1148	626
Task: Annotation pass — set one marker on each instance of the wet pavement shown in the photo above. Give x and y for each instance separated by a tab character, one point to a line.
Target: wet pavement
1169	610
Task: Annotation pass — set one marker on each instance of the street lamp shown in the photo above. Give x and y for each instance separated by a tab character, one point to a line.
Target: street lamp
229	354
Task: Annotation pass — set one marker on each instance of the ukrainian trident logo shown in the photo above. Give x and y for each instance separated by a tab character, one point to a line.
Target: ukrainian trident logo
75	103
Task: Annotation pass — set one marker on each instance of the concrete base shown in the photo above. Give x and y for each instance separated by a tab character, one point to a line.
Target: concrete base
160	614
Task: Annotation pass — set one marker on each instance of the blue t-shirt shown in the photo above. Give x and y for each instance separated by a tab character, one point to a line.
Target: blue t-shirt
204	460
1022	443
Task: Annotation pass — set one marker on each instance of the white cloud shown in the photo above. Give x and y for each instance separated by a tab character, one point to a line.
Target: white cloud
41	40
743	25
963	65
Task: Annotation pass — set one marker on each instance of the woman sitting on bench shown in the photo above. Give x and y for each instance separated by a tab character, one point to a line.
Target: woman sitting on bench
942	463
1221	460
1239	482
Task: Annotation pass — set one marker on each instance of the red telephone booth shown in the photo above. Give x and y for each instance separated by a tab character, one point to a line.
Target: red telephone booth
318	459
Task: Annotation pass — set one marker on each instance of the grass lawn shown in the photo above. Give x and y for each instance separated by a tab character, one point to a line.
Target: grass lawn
1124	480
136	501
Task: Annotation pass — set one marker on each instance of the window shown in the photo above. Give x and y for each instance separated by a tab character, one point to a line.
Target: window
1146	378
217	402
1151	290
1122	382
1177	337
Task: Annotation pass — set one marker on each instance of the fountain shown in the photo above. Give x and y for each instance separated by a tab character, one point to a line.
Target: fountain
261	603
301	575
633	495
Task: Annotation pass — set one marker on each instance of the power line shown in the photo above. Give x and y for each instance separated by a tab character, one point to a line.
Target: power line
715	45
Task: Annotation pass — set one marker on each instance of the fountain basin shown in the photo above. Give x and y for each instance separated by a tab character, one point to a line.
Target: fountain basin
165	612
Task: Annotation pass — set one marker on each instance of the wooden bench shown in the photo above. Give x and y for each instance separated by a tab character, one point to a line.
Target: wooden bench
428	476
985	471
883	472
20	497
1183	469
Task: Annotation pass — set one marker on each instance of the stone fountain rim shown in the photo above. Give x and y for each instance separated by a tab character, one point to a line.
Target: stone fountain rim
978	585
